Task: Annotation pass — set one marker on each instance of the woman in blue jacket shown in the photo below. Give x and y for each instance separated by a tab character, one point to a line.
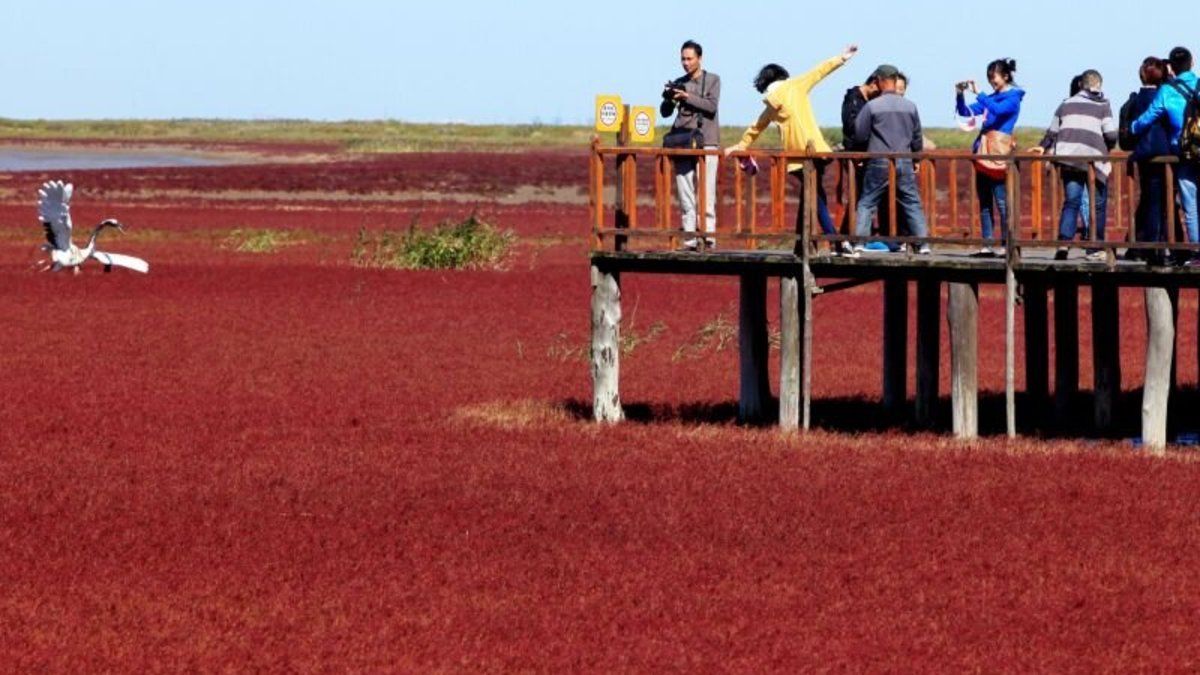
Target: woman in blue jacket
1153	141
1000	110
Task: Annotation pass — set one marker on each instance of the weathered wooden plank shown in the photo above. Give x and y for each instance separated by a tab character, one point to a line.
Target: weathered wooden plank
929	325
1106	353
895	347
606	346
790	293
963	318
755	389
1160	348
1066	353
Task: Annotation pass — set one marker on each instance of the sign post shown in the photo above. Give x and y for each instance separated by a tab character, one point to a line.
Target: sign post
631	125
626	205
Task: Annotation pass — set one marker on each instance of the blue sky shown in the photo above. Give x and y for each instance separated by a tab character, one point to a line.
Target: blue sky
534	61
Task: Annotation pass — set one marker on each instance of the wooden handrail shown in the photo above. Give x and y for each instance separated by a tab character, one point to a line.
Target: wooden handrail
939	184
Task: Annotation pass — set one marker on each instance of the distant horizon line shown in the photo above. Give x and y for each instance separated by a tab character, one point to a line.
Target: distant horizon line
368	120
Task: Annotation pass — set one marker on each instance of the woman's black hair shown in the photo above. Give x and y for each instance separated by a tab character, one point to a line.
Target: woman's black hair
1006	68
772	72
1076	85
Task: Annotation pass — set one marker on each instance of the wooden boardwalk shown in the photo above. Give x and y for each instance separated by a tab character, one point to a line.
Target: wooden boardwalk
1028	272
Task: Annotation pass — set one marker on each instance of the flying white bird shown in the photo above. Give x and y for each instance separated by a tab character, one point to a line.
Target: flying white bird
54	207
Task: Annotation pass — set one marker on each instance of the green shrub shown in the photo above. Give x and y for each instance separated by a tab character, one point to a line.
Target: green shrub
471	244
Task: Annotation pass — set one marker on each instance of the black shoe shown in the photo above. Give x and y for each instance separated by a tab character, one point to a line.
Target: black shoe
1061	254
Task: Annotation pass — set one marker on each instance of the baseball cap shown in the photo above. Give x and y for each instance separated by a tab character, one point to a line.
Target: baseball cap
886	72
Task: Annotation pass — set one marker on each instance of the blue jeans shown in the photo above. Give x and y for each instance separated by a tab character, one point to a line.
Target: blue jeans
1074	188
1185	182
992	191
875	189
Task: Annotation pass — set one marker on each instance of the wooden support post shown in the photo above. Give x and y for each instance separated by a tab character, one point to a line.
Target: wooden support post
806	303
1176	305
954	222
1037	351
895	347
1173	294
1066	353
1010	342
1160	348
755	389
963	317
606	346
1106	352
790	297
623	203
596	196
929	326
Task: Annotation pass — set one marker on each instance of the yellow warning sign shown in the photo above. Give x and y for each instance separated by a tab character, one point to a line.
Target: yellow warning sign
608	113
641	127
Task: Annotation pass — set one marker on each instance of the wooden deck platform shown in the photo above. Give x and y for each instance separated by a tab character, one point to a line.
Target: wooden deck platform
1029	275
945	263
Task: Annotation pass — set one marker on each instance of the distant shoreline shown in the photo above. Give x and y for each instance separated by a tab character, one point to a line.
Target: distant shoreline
380	136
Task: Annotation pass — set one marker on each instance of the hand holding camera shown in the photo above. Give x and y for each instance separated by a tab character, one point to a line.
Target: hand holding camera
673	90
965	85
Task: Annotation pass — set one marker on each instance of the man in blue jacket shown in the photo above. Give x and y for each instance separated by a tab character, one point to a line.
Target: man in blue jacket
1171	102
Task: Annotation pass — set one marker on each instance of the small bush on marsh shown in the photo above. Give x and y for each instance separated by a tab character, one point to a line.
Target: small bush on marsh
471	244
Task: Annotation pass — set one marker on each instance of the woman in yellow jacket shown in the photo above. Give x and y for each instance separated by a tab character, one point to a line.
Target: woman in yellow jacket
787	105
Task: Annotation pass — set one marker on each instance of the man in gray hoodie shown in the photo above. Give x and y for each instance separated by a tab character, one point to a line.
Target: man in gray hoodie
890	123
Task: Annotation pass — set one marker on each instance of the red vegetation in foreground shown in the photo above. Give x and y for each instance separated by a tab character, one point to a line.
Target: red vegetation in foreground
284	463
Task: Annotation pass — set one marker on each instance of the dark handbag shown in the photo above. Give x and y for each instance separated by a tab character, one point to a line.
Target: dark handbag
684	139
688	139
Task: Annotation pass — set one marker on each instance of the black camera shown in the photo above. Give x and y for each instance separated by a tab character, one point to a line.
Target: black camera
671	87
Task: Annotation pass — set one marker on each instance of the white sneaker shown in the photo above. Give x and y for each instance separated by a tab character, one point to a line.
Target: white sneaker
710	243
691	244
1097	256
985	252
844	248
1000	251
924	249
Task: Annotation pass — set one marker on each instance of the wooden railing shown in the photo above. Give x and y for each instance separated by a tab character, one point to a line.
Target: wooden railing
745	219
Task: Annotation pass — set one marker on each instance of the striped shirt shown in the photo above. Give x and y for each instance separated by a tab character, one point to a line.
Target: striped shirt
1083	125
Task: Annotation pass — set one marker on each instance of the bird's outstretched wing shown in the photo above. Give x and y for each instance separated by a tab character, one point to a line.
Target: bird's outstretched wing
54	208
119	260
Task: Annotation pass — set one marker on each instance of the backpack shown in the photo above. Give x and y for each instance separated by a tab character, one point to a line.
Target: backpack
1189	136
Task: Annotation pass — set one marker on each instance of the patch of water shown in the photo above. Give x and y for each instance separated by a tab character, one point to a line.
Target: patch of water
55	160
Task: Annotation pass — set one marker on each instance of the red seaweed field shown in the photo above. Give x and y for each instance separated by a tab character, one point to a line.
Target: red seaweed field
282	461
